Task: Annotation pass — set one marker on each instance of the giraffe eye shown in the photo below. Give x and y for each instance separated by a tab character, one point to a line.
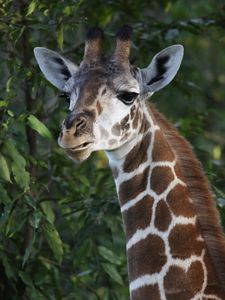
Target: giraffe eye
65	96
127	97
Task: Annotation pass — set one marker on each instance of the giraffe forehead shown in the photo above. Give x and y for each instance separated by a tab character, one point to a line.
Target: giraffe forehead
106	70
86	88
94	84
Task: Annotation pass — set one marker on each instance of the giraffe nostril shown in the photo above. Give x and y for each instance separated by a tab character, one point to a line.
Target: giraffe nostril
80	123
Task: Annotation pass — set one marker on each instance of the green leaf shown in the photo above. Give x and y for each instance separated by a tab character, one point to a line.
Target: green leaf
35	219
19	35
112	272
54	240
4	195
22	177
84	180
109	255
8	84
35	294
9	266
10	113
37	125
3	103
5	218
48	211
4	169
15	225
28	250
60	38
31	7
26	279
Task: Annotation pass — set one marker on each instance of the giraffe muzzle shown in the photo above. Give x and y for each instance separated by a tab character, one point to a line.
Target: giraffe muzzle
76	134
75	139
68	141
77	148
80	147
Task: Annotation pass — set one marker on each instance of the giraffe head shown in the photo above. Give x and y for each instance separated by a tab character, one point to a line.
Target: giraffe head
105	94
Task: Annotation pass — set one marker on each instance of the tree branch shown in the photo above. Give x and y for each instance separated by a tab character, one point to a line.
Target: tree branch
29	102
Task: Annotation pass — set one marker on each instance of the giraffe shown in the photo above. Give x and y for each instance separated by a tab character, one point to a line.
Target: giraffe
174	243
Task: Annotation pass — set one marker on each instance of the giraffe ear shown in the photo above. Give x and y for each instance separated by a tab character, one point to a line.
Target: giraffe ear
162	69
57	69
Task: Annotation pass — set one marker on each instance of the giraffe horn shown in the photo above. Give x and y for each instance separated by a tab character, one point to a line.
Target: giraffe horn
123	43
93	44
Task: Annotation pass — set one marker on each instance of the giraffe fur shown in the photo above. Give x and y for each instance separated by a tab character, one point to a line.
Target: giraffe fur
174	242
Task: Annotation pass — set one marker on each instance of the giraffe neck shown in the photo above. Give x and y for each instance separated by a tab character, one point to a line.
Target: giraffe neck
167	255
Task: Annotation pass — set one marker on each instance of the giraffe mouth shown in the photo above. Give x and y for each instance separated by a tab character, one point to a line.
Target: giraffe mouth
80	147
79	152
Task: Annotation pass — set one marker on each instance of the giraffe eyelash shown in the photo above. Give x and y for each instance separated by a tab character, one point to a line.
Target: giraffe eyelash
127	97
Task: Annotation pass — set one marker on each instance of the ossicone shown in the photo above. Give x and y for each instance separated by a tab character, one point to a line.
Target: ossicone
93	44
123	44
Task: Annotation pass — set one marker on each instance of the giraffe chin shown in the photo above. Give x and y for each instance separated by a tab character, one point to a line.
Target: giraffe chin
78	156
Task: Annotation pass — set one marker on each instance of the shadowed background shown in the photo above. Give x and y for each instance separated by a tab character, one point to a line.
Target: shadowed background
61	233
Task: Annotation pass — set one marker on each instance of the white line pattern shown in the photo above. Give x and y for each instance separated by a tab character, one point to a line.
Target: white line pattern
141	234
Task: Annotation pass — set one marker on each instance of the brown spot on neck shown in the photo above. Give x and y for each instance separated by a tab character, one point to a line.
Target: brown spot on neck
133	187
180	285
162	216
183	241
161	150
137	155
147	291
160	179
146	257
179	202
138	217
144	125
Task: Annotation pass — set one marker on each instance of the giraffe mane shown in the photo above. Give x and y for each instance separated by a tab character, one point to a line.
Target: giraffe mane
200	192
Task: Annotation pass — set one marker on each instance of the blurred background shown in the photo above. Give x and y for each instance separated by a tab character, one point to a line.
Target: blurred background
61	233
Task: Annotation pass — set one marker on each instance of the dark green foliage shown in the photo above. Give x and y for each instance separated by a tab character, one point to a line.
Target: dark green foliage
61	233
